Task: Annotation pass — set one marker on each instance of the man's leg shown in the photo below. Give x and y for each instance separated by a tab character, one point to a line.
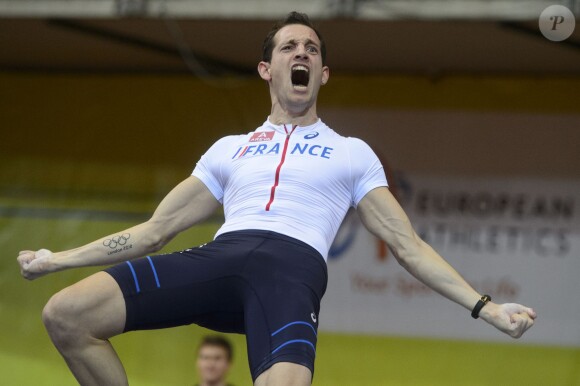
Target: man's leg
80	319
286	280
285	374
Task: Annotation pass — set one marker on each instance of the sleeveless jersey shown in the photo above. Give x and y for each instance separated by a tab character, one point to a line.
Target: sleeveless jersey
296	180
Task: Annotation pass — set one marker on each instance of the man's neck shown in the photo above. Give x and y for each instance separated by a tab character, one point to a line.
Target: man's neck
281	116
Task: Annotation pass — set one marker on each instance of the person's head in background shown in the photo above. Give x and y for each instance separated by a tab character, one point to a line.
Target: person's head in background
214	359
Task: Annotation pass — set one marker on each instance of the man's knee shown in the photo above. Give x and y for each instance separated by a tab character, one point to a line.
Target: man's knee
285	374
59	318
93	308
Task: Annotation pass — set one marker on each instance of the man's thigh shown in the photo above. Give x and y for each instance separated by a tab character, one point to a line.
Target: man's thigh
199	285
287	281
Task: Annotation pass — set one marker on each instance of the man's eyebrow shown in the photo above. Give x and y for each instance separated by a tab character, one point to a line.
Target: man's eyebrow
311	42
308	42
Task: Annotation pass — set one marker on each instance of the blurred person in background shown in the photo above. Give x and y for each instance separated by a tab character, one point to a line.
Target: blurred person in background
214	360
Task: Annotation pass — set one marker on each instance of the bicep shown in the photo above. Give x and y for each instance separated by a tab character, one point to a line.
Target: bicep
187	204
382	215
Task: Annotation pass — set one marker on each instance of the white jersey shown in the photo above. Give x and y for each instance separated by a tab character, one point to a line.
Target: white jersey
298	181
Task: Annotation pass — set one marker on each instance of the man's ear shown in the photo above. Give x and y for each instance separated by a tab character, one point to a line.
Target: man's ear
264	71
325	75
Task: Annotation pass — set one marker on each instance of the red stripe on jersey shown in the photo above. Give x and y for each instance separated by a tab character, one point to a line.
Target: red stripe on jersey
277	177
243	151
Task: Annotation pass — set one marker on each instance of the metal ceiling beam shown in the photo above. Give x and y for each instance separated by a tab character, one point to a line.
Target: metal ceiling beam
231	9
273	9
522	10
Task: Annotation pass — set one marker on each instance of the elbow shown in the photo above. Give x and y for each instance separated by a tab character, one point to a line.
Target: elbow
155	243
156	237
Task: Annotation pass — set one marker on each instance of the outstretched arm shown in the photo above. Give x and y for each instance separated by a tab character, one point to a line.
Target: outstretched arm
187	204
383	216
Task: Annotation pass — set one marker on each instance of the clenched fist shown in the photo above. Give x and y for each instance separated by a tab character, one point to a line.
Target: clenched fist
34	264
511	318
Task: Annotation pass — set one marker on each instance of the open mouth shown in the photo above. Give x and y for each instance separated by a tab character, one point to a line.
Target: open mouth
300	76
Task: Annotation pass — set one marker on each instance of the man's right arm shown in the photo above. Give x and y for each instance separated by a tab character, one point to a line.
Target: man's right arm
187	204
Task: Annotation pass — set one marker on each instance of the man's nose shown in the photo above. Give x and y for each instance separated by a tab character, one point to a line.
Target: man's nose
301	52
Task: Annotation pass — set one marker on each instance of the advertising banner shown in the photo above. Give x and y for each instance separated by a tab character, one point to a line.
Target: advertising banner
515	239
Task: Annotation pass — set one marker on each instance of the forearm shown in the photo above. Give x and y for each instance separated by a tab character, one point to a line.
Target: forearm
431	269
138	241
187	204
385	218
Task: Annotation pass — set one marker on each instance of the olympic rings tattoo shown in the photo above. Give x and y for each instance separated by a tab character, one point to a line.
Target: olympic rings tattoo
117	240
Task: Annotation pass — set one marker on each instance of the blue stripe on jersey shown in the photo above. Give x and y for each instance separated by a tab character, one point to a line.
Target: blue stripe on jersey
134	276
294	341
293	323
154	271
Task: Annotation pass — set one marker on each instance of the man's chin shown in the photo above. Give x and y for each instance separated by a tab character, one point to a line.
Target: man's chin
300	94
213	379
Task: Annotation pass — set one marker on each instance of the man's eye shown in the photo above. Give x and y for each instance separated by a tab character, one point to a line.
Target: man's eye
286	48
312	49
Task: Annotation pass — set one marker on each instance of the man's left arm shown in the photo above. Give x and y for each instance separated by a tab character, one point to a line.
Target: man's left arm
383	216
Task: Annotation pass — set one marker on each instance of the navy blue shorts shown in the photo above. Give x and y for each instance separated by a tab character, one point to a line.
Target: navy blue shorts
259	283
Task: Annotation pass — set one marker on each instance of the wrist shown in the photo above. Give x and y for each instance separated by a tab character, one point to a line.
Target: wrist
479	306
489	311
55	263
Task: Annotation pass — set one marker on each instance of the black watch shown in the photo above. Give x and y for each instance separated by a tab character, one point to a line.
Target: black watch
480	303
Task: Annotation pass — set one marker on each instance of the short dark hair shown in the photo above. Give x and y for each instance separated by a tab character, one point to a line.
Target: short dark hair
291	18
219	341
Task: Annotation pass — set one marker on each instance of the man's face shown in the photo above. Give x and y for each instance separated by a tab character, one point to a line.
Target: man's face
212	364
296	71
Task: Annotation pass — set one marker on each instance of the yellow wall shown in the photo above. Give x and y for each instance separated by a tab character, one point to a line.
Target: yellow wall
169	120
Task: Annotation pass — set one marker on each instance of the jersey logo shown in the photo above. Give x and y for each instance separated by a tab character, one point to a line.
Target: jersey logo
313	316
311	135
262	136
274	148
